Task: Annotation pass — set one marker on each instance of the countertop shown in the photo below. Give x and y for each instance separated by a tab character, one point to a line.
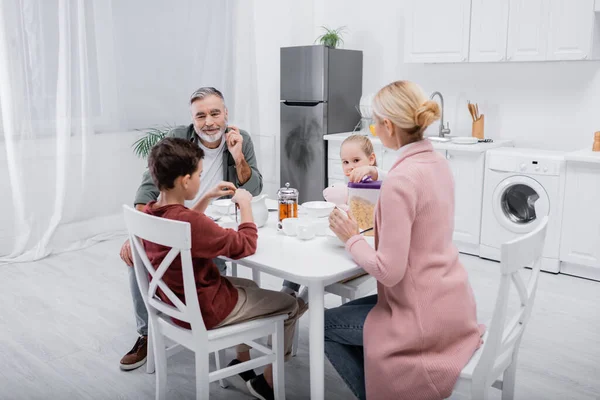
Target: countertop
585	155
476	148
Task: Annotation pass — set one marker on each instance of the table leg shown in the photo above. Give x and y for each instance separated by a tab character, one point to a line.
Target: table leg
317	340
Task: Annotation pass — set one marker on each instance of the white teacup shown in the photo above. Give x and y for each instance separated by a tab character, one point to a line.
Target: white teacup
306	231
290	226
320	226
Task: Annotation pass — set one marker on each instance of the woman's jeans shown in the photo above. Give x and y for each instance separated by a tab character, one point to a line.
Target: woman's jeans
344	341
294	286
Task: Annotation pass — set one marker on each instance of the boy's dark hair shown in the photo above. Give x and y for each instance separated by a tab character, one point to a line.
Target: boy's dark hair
171	158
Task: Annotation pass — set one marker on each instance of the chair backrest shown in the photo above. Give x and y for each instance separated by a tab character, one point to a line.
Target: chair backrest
175	235
504	338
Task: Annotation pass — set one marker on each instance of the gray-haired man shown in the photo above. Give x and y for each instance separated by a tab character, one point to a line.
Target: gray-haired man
228	156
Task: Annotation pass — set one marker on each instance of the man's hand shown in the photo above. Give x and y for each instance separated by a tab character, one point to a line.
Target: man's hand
126	253
234	143
222	189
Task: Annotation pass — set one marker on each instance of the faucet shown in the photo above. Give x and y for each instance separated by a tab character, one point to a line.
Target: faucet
444	130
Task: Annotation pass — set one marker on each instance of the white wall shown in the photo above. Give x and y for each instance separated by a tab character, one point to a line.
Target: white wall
552	105
545	105
279	23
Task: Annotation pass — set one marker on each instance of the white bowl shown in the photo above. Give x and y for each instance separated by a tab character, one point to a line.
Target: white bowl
318	209
333	239
223	206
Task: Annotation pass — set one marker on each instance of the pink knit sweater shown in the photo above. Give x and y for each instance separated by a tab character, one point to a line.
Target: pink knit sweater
423	330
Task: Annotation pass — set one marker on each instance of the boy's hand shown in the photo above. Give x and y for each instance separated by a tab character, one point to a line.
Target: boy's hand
360	172
242	197
126	253
222	189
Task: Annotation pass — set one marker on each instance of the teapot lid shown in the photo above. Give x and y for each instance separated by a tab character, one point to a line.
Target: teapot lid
287	191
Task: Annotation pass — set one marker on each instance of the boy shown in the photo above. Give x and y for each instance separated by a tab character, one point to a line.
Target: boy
175	166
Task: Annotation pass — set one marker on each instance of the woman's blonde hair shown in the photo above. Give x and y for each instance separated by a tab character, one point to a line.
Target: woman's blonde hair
407	107
364	142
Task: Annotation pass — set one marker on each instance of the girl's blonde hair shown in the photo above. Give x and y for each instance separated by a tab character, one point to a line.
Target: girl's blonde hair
364	142
407	107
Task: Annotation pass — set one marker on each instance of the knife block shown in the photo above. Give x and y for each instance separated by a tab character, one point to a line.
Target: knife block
477	130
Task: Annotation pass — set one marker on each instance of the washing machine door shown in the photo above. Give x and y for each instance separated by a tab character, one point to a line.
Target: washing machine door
519	203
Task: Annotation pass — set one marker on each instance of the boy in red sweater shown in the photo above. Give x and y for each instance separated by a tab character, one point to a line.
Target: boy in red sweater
175	165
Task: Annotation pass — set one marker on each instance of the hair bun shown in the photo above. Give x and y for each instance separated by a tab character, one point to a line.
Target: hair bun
427	114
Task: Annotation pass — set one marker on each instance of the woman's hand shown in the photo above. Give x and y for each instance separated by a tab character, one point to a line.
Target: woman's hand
222	189
343	225
360	172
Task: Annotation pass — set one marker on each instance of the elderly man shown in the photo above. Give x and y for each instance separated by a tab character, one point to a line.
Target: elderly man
229	156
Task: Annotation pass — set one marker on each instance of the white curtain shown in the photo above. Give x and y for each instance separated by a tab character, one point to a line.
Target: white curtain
77	79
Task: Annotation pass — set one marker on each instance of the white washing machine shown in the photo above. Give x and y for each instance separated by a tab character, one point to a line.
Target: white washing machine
521	187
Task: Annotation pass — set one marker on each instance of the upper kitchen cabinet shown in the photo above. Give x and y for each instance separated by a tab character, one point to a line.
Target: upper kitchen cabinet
501	30
437	31
571	27
489	29
527	30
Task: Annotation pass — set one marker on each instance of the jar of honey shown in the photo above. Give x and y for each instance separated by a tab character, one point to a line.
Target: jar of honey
287	198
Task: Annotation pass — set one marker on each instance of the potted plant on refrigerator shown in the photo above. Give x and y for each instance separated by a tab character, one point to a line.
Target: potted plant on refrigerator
332	37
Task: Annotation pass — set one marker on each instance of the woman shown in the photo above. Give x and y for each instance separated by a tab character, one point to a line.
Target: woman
420	329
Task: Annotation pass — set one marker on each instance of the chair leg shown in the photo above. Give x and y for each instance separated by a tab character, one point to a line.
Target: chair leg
256	276
234	271
220	361
295	341
160	357
508	380
150	355
278	367
202	377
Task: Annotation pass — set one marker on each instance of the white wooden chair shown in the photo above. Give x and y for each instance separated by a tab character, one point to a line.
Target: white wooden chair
351	290
498	354
354	289
177	236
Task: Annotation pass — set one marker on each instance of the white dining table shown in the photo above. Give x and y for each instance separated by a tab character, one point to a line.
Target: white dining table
314	263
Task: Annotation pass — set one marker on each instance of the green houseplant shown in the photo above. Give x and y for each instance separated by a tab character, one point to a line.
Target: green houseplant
332	37
143	145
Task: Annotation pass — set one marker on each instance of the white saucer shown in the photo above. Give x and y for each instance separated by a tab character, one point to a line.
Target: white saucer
465	140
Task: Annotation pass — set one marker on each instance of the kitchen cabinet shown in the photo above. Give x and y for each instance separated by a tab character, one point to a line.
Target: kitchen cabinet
527	30
501	30
579	248
437	31
489	29
468	170
571	24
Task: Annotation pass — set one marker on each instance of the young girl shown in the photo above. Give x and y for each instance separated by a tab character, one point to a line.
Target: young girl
358	161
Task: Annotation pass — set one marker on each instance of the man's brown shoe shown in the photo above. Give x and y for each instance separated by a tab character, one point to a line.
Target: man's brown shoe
136	356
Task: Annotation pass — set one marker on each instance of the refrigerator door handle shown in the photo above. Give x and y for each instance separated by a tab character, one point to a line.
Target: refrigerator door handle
302	103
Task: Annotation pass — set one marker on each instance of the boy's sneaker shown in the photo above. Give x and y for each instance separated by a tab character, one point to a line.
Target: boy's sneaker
260	389
136	356
246	375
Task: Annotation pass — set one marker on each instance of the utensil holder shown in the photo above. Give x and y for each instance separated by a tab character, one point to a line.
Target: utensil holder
478	128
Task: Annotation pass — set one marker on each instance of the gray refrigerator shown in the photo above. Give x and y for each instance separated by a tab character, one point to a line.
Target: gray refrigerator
320	92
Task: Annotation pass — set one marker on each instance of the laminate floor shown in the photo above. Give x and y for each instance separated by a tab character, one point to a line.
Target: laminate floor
66	321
